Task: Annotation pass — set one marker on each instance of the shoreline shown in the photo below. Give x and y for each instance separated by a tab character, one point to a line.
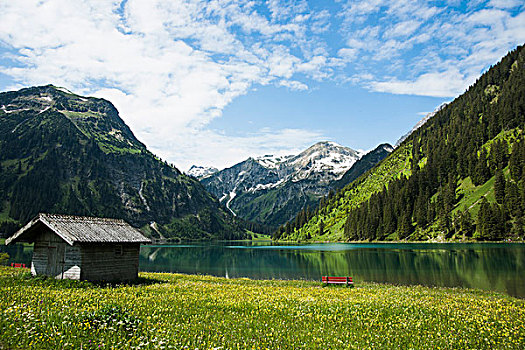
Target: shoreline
404	242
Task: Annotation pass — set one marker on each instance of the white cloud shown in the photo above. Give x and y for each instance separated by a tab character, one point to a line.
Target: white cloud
505	4
348	54
211	148
412	47
170	67
293	85
403	29
444	84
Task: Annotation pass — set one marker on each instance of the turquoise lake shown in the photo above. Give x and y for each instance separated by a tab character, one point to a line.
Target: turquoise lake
496	267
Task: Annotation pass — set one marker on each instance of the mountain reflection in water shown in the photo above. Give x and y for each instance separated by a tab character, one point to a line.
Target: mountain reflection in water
489	266
496	267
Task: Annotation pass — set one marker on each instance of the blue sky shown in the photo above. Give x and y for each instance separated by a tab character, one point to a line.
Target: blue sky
214	82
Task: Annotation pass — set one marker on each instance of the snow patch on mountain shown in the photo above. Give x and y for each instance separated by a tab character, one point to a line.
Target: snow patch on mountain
14	110
320	164
63	90
327	158
232	196
271	161
201	172
260	187
46	98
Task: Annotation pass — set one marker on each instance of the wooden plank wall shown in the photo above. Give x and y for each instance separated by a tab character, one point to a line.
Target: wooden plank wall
73	261
52	256
110	262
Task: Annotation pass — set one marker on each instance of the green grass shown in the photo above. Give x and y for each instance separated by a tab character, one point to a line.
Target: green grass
394	166
107	142
259	236
509	136
471	195
107	148
173	311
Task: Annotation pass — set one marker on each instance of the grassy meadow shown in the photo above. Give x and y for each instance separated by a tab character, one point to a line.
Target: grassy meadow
174	311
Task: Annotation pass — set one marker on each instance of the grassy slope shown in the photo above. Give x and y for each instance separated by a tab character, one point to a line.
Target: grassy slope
392	167
497	82
469	193
178	311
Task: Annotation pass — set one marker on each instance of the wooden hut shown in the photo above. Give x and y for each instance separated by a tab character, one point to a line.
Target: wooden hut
84	248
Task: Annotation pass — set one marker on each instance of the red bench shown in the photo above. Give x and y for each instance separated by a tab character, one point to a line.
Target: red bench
18	265
337	280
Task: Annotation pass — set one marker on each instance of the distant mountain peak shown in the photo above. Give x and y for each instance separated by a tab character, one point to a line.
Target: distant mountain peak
384	146
201	172
272	189
325	156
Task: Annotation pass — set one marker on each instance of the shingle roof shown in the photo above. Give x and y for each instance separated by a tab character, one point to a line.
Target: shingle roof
81	229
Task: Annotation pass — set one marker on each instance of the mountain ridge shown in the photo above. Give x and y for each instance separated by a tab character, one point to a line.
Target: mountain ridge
365	163
271	189
419	124
69	154
457	177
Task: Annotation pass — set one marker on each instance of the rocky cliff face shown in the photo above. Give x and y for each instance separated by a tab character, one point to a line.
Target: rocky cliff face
68	154
272	190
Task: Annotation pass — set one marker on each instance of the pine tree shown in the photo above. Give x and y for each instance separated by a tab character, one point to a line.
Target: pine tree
405	226
491	221
449	195
278	234
500	222
498	154
481	171
347	231
445	224
288	229
512	199
499	187
420	211
484	215
321	228
464	223
517	160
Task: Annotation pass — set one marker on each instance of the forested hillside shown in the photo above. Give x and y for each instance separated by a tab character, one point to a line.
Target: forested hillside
459	176
63	153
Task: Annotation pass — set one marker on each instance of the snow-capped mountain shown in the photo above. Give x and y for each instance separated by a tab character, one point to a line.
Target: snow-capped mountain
272	189
326	158
201	172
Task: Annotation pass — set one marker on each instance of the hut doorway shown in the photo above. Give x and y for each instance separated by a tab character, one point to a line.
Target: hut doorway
55	259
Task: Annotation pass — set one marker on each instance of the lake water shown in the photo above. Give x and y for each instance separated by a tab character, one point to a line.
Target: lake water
497	267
